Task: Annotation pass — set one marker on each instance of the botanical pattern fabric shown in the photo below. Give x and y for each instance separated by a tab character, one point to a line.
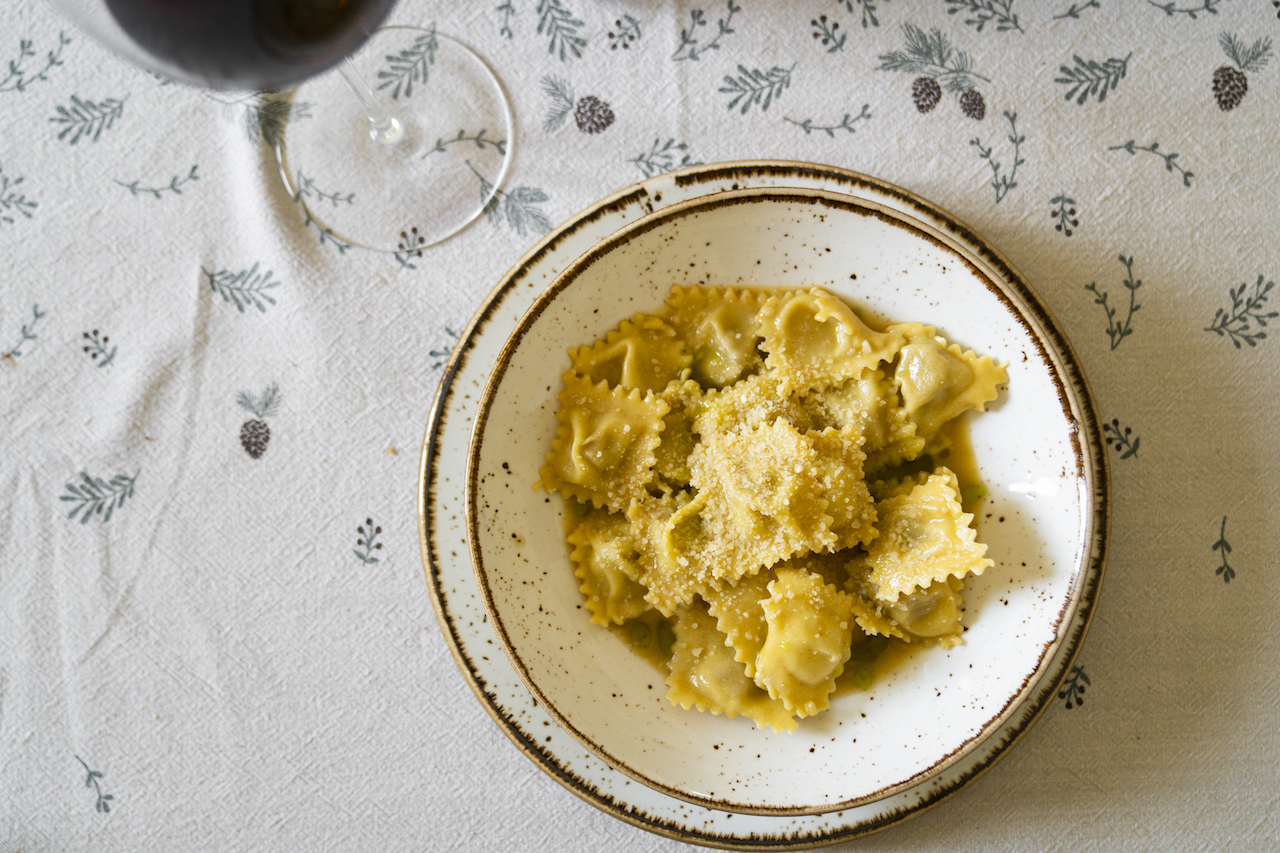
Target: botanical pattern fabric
214	631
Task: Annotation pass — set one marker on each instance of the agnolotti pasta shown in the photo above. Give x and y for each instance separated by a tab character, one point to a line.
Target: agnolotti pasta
759	471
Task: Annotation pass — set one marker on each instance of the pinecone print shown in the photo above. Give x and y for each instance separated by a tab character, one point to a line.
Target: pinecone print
973	105
926	92
254	433
1231	84
1229	87
592	115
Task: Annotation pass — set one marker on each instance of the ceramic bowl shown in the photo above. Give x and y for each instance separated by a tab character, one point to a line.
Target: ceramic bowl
1041	519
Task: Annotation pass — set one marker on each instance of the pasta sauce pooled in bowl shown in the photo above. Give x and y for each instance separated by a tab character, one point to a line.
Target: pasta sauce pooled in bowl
756	493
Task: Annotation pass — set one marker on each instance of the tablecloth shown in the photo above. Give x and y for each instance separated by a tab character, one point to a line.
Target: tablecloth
214	628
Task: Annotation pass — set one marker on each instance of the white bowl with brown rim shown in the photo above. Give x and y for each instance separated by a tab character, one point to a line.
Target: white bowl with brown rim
1037	448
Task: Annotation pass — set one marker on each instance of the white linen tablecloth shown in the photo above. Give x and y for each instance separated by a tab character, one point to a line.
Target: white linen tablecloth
228	645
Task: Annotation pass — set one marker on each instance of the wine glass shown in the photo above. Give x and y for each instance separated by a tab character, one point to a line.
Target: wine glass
395	166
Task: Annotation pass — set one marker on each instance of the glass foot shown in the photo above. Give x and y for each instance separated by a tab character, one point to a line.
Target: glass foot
419	182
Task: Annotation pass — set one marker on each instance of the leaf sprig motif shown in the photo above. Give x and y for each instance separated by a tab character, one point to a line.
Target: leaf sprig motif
247	287
367	542
174	186
1172	8
87	119
263	115
263	406
409	66
1248	59
97	346
1092	78
508	12
984	12
307	189
825	33
561	28
1065	213
625	32
1118	330
516	206
1073	688
19	78
103	805
1122	439
753	86
868	8
480	139
96	496
28	333
562	102
442	354
1243	321
1075	9
1223	547
690	48
846	123
1154	148
13	202
1003	183
931	55
661	157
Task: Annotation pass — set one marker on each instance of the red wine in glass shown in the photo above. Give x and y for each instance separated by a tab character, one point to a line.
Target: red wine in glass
250	44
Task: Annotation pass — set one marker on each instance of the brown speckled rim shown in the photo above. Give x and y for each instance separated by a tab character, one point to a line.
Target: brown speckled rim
546	301
728	176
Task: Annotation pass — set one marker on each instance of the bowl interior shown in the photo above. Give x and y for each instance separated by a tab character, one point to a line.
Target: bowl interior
936	706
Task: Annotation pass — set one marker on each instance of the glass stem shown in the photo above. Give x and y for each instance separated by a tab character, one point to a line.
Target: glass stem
383	127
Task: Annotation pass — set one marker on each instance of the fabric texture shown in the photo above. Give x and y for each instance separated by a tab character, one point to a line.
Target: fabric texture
214	629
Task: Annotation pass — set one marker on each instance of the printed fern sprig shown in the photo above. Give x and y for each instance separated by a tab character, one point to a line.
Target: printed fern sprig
826	33
562	102
442	354
1154	148
480	139
931	55
1073	688
27	333
1172	8
367	542
846	123
1245	319
19	78
87	119
174	186
97	346
690	47
1247	59
517	206
307	189
625	32
96	496
1065	213
1003	183
984	12
409	66
561	29
103	805
753	86
508	12
13	202
1122	439
661	157
1223	547
868	8
1118	330
1075	9
247	287
1092	78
